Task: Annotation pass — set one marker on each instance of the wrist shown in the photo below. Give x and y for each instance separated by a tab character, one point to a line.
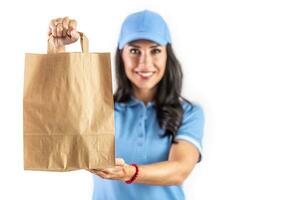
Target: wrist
130	171
53	49
133	173
60	49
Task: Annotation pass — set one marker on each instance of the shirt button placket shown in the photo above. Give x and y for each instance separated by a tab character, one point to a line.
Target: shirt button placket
141	133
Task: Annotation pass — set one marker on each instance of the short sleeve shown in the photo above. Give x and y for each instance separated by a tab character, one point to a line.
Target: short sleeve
192	126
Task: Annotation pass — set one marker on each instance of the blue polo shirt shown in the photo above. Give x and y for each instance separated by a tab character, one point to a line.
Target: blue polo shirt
137	137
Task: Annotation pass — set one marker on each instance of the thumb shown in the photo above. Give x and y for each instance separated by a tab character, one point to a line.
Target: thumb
74	35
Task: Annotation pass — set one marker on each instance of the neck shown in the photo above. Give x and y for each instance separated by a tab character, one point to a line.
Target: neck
145	95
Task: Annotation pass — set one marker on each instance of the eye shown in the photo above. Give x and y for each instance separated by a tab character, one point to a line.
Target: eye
134	51
156	51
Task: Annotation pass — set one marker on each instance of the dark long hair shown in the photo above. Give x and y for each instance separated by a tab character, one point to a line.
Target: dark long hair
168	94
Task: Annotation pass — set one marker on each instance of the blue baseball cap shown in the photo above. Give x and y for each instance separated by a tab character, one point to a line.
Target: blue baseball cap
146	25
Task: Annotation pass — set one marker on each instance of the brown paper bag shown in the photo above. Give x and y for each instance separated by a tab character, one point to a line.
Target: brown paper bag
68	111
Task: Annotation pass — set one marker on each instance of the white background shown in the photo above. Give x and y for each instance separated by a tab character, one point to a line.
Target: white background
241	63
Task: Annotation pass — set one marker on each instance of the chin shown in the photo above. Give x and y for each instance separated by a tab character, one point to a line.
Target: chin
144	86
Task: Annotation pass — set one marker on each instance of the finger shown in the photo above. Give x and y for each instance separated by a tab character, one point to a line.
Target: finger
98	173
49	31
104	175
120	162
72	25
74	36
53	27
113	176
101	174
91	170
59	30
65	24
58	21
112	170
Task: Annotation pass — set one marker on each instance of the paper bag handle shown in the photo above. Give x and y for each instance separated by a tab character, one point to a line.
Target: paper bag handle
84	43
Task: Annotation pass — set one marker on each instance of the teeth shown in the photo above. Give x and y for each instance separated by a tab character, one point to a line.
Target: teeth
145	74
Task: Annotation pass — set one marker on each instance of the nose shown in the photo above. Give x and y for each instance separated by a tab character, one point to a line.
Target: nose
145	60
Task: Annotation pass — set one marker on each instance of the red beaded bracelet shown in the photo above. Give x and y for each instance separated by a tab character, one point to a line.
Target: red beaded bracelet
135	174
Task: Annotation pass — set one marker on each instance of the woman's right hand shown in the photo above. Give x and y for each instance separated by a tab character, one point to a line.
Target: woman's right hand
62	31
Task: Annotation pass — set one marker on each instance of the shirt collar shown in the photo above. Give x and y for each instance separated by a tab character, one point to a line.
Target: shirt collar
134	101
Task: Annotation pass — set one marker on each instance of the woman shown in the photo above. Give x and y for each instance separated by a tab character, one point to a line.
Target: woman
157	131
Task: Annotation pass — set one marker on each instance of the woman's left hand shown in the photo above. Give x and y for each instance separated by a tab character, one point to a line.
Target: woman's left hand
121	171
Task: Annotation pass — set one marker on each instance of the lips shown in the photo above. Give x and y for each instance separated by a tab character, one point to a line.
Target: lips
145	74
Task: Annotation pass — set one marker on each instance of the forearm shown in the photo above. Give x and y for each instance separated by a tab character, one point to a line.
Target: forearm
181	161
162	173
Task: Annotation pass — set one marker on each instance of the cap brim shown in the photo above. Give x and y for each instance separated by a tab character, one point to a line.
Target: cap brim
142	36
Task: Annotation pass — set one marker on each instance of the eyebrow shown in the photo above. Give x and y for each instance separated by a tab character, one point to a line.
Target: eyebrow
137	46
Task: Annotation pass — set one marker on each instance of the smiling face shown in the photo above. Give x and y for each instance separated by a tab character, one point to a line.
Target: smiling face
145	64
